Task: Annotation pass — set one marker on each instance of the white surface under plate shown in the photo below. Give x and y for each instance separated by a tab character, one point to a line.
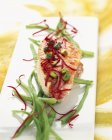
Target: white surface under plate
87	38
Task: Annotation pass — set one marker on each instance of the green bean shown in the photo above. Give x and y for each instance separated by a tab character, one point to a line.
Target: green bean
66	118
79	107
48	100
55	134
39	27
82	81
36	42
23	86
39	132
43	119
69	38
33	53
60	24
25	98
30	26
76	44
38	107
20	111
41	92
35	107
51	117
87	53
60	27
29	99
32	91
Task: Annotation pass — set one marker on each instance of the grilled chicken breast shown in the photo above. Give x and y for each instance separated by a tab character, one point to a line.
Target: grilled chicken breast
57	66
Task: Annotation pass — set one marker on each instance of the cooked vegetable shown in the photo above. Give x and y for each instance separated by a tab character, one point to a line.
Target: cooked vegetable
44	99
46	49
48	55
53	74
63	71
57	46
39	27
64	52
82	81
36	42
87	53
33	52
66	76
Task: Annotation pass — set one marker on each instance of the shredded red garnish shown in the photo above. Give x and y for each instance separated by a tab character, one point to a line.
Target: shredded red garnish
20	97
43	21
74	30
20	80
56	111
72	110
46	27
63	62
71	119
63	114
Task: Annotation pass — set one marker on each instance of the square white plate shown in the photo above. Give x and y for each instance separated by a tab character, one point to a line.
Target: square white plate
87	37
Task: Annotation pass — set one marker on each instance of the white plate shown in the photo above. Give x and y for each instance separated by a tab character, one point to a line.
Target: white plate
87	38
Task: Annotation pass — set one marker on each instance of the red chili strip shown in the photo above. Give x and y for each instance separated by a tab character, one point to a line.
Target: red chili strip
72	110
43	21
71	119
47	78
49	37
64	62
65	89
47	27
55	110
19	96
74	30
